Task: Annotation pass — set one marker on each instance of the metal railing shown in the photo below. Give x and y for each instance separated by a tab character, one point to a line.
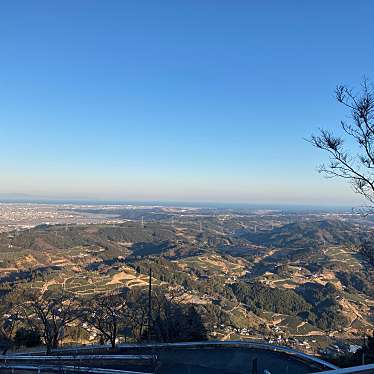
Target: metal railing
72	363
206	344
99	355
6	358
45	369
363	369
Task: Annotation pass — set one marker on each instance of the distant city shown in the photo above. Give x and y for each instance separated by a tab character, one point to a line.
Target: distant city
20	214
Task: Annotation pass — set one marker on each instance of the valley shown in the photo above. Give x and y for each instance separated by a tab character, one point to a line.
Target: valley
298	279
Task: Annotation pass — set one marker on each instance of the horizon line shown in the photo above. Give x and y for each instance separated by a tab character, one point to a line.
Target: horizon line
29	198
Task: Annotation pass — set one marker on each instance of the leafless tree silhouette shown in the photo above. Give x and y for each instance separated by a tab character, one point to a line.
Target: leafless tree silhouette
9	319
107	314
49	313
351	156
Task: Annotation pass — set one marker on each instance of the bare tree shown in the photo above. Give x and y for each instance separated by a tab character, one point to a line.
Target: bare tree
7	327
354	162
49	314
9	319
138	313
107	314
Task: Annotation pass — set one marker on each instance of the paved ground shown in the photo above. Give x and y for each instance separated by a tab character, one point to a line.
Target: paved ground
228	360
206	357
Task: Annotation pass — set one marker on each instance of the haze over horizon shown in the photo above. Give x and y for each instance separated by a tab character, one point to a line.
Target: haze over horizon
20	198
198	101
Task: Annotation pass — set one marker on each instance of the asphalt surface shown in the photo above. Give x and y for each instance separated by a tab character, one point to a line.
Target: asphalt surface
203	357
230	361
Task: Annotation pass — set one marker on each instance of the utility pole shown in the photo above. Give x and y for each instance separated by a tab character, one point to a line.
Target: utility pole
363	350
142	222
149	304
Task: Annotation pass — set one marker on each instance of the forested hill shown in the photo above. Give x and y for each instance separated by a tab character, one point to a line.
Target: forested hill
58	237
307	234
303	279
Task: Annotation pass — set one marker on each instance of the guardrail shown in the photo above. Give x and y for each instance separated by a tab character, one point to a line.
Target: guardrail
363	369
99	352
77	357
211	343
65	369
80	363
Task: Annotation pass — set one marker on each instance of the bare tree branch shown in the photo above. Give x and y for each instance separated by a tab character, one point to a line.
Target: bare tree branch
354	166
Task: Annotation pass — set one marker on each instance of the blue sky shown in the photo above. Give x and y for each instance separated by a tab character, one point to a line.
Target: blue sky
176	100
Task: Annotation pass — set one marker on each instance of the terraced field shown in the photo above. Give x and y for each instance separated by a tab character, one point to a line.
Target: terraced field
213	264
306	281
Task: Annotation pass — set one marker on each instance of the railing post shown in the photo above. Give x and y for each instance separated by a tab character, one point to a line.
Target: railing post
254	366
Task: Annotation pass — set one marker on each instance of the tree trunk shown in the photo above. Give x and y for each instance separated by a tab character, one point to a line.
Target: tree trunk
113	342
55	342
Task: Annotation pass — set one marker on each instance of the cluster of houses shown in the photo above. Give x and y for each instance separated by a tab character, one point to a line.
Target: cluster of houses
338	349
306	345
230	329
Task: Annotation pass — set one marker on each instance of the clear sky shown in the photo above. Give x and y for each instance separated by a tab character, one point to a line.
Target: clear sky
176	100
